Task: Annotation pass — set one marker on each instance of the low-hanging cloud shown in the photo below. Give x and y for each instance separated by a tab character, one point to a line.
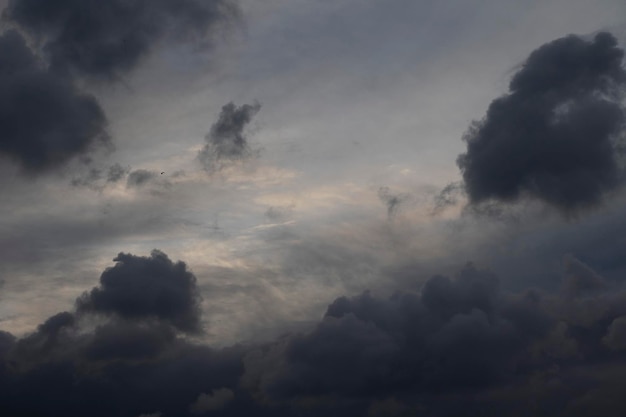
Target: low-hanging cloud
144	288
105	39
226	141
556	136
454	346
44	120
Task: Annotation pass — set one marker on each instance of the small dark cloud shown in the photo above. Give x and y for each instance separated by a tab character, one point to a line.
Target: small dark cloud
144	288
106	39
44	120
140	177
226	141
391	201
554	137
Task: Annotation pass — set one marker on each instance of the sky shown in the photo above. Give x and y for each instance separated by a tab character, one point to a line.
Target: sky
298	207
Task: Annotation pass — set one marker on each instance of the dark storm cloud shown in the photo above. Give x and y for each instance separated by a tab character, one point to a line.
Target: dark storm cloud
458	347
555	136
146	288
453	347
44	120
226	140
107	38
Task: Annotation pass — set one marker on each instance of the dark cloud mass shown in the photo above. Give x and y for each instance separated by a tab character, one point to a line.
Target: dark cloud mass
106	38
147	287
557	135
226	140
44	120
454	347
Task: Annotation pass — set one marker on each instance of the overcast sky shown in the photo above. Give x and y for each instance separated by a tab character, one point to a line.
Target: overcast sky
384	207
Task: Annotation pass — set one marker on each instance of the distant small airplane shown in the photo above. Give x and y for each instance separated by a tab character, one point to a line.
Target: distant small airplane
162	173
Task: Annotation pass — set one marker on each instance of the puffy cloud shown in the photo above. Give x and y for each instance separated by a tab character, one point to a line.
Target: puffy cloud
106	39
45	121
556	136
147	288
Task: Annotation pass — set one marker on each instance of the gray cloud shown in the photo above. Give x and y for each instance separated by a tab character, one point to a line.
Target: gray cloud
392	201
555	136
140	177
44	120
226	140
448	196
106	39
147	287
455	348
450	347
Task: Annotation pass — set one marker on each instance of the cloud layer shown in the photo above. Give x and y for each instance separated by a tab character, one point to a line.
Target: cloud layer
454	346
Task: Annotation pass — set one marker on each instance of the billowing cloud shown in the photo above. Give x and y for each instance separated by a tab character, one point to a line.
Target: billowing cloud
145	288
106	39
226	141
457	347
556	136
454	346
44	120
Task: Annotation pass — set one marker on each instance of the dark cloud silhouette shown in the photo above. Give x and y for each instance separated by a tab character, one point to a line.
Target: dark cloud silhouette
458	347
455	346
147	288
556	135
226	141
44	120
107	38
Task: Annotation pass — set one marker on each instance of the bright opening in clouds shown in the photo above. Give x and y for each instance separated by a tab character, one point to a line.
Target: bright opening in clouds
312	208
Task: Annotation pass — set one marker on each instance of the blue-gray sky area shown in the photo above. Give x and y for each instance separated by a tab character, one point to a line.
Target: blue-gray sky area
306	207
